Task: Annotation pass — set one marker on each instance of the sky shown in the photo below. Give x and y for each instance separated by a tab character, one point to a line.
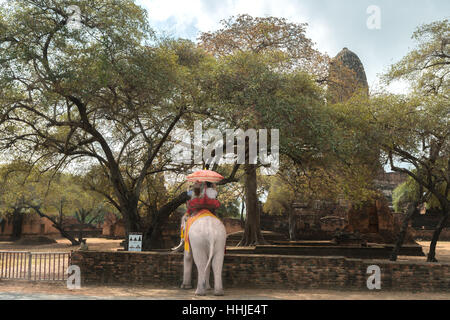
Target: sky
332	24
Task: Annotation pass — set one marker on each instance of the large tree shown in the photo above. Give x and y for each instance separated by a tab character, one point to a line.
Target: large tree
327	179
265	79
420	134
420	139
412	133
104	93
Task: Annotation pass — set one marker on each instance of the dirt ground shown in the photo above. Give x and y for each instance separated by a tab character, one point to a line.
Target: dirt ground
49	291
10	290
63	245
442	250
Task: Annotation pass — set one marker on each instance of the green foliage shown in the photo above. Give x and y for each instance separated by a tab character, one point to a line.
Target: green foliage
284	43
408	192
413	131
58	195
280	197
107	93
229	209
426	67
253	94
266	78
112	93
405	194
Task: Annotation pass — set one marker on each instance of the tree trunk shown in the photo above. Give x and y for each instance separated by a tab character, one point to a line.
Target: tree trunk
56	225
80	235
412	210
152	236
292	236
437	232
130	216
17	222
242	212
252	232
67	235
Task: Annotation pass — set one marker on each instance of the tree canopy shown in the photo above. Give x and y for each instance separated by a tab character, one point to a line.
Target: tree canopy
106	93
102	98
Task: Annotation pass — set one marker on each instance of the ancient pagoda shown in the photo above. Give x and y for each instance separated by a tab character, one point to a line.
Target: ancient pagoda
346	76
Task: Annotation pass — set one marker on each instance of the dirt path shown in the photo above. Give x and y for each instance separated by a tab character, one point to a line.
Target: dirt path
27	290
442	250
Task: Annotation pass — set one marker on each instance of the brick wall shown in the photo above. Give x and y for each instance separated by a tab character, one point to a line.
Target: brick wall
262	271
426	235
32	225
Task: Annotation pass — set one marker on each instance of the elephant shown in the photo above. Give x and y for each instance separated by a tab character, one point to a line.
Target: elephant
207	240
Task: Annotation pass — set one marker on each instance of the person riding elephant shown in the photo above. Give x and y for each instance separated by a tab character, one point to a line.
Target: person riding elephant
199	201
206	200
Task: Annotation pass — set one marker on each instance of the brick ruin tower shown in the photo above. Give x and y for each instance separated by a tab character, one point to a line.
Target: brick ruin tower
346	76
375	219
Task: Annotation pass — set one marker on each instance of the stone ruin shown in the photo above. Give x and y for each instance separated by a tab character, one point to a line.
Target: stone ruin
341	222
346	76
374	221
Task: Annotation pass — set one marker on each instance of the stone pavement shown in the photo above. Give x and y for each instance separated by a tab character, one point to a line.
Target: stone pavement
43	296
21	290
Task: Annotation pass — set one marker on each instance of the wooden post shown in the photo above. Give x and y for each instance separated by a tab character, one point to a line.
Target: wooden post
29	265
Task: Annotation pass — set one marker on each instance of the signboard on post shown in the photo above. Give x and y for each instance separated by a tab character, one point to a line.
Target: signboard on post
135	241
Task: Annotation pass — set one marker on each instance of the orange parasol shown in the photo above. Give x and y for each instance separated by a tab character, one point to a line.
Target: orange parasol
204	175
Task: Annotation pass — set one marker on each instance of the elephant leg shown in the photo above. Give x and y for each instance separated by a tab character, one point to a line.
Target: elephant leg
200	259
187	271
217	265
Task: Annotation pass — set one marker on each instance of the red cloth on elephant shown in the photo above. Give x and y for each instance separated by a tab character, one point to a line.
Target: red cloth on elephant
197	203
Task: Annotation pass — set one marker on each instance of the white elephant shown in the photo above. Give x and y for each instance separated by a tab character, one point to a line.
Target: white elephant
207	239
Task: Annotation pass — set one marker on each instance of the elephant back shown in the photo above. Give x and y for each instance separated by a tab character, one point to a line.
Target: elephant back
201	214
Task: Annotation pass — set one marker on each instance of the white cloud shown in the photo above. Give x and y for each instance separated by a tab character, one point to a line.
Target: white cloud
332	24
180	17
205	15
399	87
